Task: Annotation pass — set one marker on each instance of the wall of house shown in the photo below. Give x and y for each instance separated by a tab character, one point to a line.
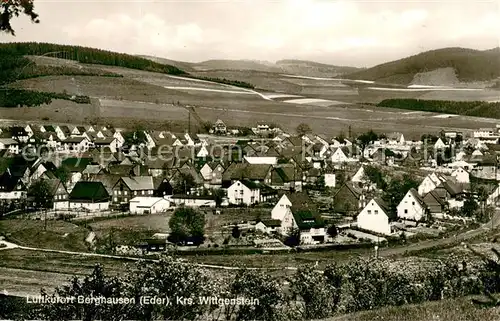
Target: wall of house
280	209
410	209
158	207
377	221
330	180
61	205
238	193
306	237
93	207
14	195
426	186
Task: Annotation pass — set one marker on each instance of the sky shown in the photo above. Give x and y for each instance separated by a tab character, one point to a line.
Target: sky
352	33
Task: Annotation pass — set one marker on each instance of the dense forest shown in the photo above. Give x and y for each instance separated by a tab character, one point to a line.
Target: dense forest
468	108
87	55
225	81
28	98
469	65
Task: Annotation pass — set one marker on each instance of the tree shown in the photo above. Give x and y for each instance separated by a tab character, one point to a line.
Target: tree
293	239
236	233
396	190
63	174
187	224
96	284
267	290
375	176
314	292
365	139
303	129
219	195
13	8
41	194
332	231
470	206
184	184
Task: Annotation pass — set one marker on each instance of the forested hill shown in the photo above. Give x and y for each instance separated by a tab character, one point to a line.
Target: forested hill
469	65
86	55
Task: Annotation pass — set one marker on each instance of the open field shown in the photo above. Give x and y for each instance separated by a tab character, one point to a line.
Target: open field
141	96
60	235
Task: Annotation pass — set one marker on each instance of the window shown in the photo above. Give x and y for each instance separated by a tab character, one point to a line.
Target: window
376	211
369	211
125	192
119	192
252	199
406	211
241	192
412	203
115	192
116	199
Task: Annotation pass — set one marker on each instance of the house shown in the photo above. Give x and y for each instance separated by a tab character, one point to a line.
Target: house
128	187
330	179
286	177
19	133
89	196
110	143
412	207
434	203
162	187
269	226
430	182
9	144
62	132
77	131
396	139
452	193
339	156
296	211
219	127
439	144
47	128
360	177
12	188
192	200
29	130
212	173
461	175
148	205
254	172
374	217
75	145
349	199
246	192
75	166
57	193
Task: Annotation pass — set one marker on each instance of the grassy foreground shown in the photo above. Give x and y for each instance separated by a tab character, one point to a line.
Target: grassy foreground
461	309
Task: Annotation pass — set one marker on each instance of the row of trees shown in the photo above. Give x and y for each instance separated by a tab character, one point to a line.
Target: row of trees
225	81
343	288
29	98
469	108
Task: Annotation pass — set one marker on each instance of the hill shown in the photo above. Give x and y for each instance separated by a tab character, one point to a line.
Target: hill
469	65
228	64
186	66
313	69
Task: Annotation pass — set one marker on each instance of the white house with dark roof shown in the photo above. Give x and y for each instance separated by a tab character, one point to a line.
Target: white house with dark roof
244	192
412	207
375	217
9	144
430	182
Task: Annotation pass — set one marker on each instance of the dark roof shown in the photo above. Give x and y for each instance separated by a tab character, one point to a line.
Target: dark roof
108	180
251	171
301	201
435	196
451	187
76	164
383	205
65	129
89	191
417	196
10	182
49	128
250	184
18	131
271	223
307	219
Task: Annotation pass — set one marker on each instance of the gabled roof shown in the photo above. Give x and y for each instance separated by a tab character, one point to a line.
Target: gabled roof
383	205
8	141
434	195
65	129
89	191
139	183
451	187
108	180
251	171
104	141
74	140
416	196
301	202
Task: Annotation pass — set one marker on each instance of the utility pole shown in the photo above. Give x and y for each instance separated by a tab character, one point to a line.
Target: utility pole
189	121
350	131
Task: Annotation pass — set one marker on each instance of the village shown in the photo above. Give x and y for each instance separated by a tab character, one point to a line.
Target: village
308	190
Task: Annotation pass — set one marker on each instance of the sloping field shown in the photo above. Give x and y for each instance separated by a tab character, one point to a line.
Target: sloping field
144	110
